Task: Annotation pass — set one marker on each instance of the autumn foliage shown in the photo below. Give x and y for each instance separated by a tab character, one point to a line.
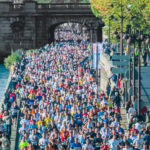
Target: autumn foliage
140	9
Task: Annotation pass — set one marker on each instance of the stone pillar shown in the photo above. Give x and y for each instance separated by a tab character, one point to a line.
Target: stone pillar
100	34
42	31
29	36
95	34
91	35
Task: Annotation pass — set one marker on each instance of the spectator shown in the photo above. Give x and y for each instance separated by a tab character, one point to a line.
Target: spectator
7	119
5	142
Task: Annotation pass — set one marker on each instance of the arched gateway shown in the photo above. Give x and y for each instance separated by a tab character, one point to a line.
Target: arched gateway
31	24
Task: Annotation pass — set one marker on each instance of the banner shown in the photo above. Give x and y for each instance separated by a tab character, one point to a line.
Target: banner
94	55
97	48
100	48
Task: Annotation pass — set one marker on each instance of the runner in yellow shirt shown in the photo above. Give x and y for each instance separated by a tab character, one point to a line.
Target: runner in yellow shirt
110	102
23	144
48	119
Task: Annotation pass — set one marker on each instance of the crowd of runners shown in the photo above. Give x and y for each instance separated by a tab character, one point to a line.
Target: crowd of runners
71	32
61	109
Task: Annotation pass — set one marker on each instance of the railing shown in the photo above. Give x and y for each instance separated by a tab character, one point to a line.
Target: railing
43	6
63	5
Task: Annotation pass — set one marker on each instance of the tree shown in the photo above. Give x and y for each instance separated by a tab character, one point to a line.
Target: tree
14	57
135	12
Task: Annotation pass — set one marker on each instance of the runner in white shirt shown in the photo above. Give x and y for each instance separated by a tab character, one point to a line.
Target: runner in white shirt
127	147
43	142
131	110
87	146
115	123
138	142
114	143
138	126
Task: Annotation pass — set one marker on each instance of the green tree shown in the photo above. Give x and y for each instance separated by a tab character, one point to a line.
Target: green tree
14	57
137	8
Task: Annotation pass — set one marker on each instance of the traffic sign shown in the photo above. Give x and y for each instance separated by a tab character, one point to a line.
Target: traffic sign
119	70
121	63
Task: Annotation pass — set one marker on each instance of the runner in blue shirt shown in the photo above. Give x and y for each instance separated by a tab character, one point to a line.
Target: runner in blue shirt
76	145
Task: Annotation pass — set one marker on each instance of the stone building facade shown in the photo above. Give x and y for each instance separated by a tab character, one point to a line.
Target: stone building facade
31	25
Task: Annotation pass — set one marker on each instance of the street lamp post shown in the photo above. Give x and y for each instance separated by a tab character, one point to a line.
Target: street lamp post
110	17
121	28
128	37
133	39
133	73
121	31
139	77
129	53
141	37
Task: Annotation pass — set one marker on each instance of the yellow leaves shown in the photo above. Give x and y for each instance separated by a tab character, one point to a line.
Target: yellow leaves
140	9
102	6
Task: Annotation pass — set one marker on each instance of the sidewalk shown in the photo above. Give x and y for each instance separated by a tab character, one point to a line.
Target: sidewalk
124	121
13	137
14	131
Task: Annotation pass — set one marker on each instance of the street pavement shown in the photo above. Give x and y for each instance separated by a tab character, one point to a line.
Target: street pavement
145	86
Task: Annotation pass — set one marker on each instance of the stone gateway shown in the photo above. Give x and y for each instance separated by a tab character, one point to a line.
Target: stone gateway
31	25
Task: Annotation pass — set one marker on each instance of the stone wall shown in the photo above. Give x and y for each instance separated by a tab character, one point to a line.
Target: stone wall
106	73
5	31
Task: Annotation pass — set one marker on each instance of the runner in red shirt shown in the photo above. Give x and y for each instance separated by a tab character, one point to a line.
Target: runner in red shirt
104	146
133	129
102	94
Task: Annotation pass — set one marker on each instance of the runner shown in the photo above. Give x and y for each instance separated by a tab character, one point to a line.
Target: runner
60	108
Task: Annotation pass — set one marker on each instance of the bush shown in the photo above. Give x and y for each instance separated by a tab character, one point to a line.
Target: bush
30	51
14	57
